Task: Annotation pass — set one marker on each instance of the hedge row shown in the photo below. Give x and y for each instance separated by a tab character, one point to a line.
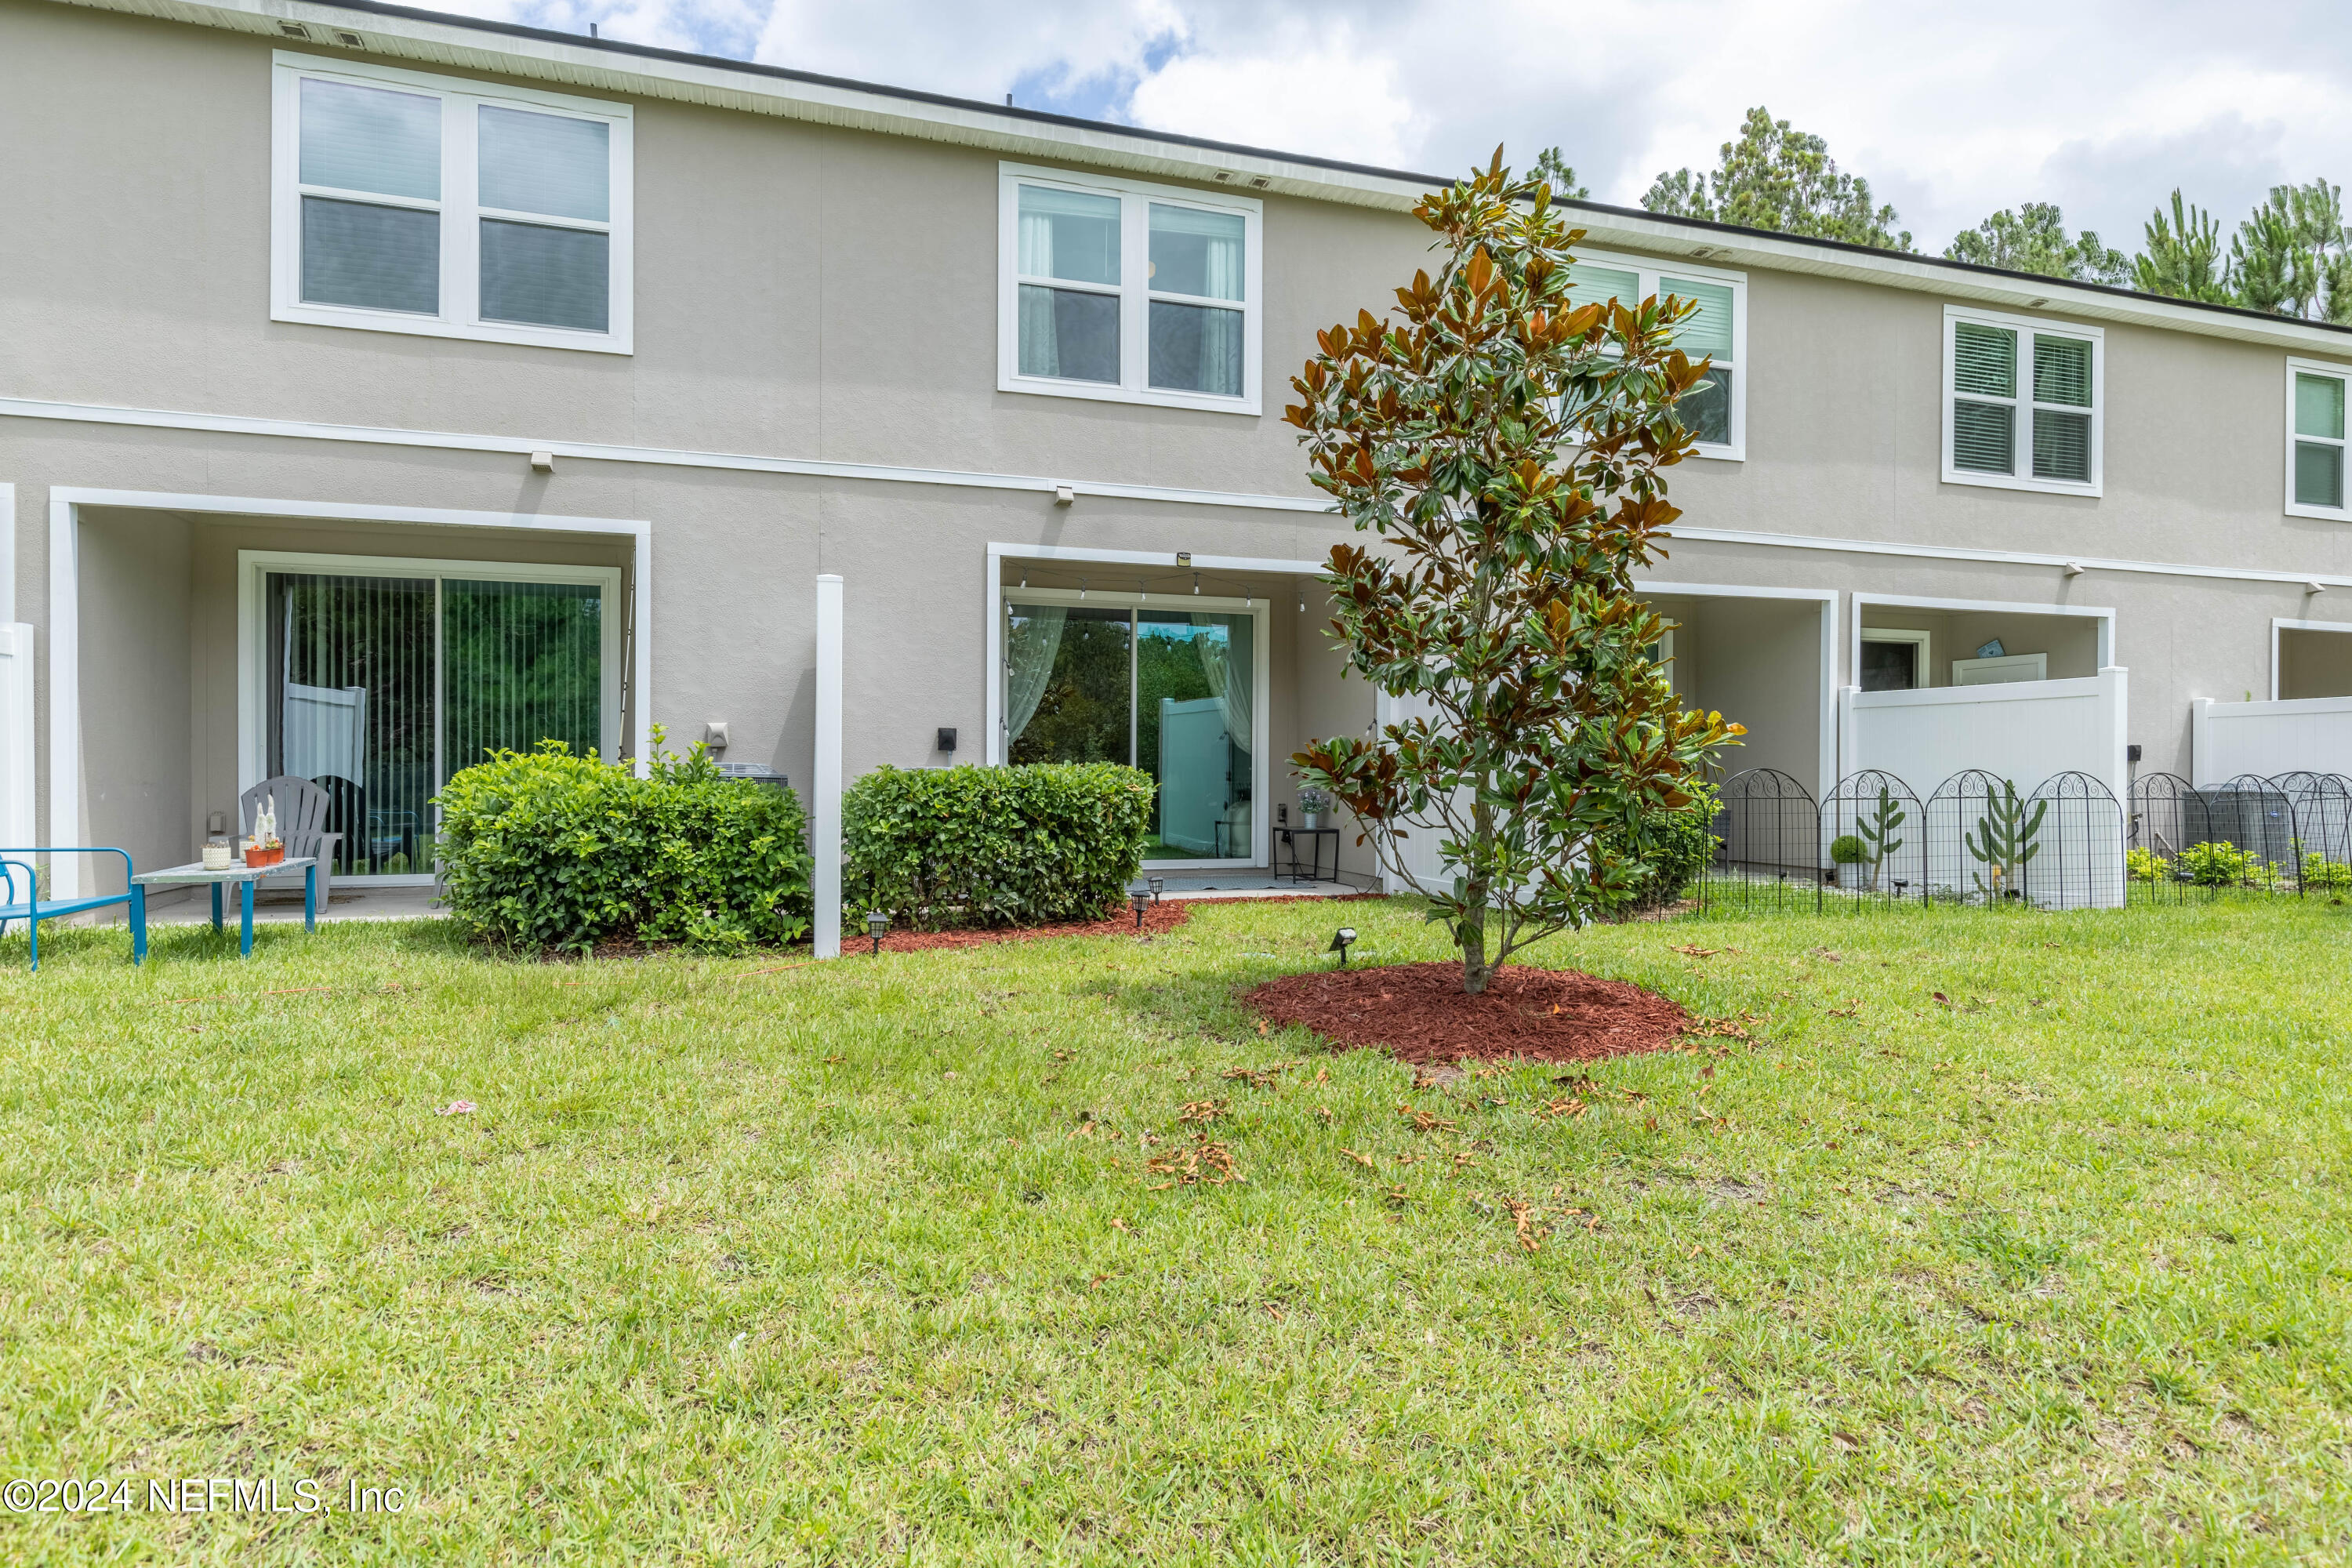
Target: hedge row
1024	845
546	850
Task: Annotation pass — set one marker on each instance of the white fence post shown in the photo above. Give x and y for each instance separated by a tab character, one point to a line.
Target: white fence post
16	735
825	787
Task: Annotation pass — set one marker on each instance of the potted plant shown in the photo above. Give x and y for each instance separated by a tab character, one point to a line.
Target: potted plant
1852	860
1312	804
265	850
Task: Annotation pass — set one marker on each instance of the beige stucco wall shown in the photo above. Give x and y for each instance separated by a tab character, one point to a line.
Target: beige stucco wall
816	293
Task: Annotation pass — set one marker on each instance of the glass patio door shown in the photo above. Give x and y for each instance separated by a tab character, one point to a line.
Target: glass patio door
378	688
1166	689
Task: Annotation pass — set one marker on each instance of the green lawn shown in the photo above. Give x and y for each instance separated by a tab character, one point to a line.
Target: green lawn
862	1262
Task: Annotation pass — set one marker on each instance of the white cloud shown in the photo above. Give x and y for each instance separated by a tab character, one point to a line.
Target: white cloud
1951	112
1330	97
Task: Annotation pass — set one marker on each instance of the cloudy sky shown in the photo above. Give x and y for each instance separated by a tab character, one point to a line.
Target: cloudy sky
1950	111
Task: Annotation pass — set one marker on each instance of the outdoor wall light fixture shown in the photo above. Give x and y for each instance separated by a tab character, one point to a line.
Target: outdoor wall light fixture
1341	940
1141	898
1155	884
1082	589
1196	585
876	922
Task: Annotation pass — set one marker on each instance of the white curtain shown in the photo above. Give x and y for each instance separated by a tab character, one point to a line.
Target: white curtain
1031	641
1231	680
1039	354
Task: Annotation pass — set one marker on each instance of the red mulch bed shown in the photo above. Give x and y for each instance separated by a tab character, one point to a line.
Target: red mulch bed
1419	1013
1156	918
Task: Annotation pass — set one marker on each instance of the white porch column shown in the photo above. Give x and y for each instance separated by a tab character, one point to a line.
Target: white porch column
824	788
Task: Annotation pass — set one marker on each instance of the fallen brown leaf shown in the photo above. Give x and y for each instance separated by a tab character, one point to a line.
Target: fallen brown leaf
1363	1159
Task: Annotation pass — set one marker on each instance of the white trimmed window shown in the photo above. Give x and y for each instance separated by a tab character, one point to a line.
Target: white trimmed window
407	203
1715	412
2316	439
1138	293
2021	403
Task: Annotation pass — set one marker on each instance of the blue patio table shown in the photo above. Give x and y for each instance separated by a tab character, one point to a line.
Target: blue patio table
245	877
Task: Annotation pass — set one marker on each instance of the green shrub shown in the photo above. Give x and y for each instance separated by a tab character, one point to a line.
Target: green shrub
1847	849
545	849
2147	866
2319	871
1680	845
987	846
2219	864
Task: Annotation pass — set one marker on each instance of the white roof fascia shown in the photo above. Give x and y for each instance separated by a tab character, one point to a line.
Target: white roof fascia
716	84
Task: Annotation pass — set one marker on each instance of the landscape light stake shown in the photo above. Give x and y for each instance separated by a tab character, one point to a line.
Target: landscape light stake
1339	941
876	922
1155	884
1141	898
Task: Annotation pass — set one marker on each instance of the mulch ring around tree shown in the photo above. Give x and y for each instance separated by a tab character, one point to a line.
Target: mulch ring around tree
1419	1013
1157	919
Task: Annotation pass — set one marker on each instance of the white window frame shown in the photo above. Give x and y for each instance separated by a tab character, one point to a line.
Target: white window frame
461	214
1261	847
2021	454
1921	672
1134	291
2342	373
1648	272
253	629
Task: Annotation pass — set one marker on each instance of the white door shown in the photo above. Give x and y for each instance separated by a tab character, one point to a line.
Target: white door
15	736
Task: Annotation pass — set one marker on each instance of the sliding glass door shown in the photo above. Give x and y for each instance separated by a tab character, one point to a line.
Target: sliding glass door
376	679
1170	686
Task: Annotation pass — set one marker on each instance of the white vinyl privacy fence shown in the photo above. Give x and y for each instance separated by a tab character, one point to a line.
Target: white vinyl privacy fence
2310	734
15	734
2028	732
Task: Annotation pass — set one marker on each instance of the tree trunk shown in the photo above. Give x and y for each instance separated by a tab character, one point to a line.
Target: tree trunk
1475	970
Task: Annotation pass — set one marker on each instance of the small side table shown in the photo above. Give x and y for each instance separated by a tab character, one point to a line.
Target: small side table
1314	837
245	877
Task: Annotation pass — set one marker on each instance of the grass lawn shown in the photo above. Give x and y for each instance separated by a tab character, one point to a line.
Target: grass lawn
862	1262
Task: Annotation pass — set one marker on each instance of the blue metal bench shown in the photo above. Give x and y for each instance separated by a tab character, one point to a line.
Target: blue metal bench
32	909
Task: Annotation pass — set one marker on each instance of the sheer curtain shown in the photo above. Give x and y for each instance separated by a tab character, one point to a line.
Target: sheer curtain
1031	641
1227	666
1040	355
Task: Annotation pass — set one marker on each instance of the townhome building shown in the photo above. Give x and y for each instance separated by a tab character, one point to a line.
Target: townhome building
378	386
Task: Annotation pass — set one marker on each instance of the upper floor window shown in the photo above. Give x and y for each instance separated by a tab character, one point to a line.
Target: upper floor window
407	203
2314	442
1140	293
2021	403
1715	411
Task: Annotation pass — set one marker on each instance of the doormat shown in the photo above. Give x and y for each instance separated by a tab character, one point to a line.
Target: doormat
1419	1013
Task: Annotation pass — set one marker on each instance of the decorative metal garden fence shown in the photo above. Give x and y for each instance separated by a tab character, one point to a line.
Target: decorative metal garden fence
1977	840
2275	836
1767	841
1874	836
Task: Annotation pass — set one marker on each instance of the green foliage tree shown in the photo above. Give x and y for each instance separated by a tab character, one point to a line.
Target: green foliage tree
1784	180
2290	258
1556	170
2032	238
2182	256
1510	451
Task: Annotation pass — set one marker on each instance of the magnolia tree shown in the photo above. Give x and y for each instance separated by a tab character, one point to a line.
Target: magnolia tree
1509	447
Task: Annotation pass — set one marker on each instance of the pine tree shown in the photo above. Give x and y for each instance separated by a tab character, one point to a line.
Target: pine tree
2183	258
2289	255
1784	180
1556	170
2032	238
